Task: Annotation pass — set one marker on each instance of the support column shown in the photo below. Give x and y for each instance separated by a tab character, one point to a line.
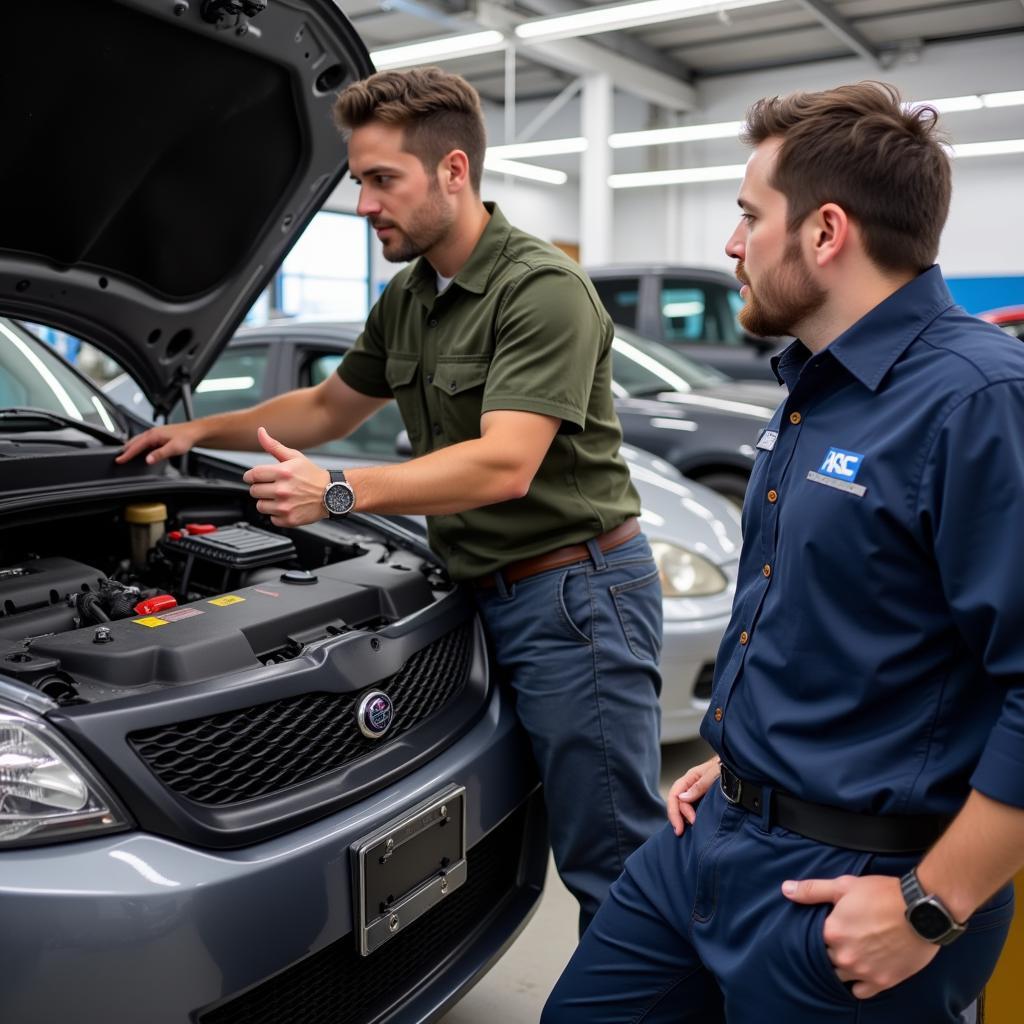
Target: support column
595	166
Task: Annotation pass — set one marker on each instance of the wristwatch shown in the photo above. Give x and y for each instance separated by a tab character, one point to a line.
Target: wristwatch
339	498
927	914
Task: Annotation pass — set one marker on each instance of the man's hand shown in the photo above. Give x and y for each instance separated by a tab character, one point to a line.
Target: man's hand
166	440
291	490
868	938
688	789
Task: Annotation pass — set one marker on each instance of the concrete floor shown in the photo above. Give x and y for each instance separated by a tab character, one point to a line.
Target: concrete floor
515	989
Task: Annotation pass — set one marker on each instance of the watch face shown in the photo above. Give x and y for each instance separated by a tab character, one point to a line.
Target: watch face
339	499
929	921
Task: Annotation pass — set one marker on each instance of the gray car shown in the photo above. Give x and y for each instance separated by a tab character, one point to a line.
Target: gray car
246	774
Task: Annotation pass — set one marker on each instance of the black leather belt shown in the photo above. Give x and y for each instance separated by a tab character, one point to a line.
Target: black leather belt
869	833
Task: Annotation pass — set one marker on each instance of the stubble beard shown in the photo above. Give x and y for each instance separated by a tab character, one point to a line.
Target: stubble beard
427	226
785	296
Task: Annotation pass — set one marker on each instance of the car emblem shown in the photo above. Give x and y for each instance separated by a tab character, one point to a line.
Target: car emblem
375	714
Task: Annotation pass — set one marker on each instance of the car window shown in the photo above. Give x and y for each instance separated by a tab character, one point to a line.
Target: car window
620	297
644	367
692	311
33	375
235	381
374	439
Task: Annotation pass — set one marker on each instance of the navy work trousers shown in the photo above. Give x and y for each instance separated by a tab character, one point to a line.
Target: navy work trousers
579	646
697	929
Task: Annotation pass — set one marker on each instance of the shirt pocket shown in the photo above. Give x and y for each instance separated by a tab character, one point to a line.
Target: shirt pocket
459	389
400	373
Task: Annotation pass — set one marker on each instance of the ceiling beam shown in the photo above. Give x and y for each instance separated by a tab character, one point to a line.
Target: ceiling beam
840	26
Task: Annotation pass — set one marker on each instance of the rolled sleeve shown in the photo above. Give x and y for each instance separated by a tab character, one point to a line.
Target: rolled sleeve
973	497
550	336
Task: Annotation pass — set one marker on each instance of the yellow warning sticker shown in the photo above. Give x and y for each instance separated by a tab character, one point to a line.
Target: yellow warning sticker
152	621
227	599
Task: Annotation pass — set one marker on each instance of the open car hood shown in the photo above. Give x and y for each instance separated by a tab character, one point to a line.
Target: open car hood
159	159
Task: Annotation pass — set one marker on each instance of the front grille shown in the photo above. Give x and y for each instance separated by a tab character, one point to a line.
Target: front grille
260	750
338	986
706	676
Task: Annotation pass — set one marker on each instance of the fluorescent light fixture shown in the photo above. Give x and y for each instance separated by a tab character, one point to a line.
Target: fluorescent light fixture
682	176
445	48
1003	99
616	16
529	171
547	147
225	384
949	104
684	133
997	148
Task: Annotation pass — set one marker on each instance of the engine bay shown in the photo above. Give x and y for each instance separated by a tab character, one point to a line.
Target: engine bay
177	589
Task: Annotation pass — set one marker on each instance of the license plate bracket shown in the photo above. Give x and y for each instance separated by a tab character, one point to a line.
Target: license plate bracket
407	866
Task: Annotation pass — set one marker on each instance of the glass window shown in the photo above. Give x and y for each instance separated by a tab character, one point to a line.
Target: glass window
327	273
620	297
687	312
235	381
642	367
374	439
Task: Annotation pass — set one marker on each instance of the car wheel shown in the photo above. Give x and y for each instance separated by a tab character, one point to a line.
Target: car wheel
732	486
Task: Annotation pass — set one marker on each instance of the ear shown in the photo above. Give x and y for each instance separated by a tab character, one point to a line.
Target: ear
453	171
829	230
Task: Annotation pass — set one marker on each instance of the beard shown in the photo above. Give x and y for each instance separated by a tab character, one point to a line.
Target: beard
427	225
786	295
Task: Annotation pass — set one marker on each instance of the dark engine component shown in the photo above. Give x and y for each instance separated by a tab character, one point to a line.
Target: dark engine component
215	559
34	595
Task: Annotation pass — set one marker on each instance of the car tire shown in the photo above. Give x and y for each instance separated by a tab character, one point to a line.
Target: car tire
732	486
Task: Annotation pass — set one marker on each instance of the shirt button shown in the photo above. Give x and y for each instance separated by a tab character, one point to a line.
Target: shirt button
432	322
430	378
437	429
794	418
744	637
452	385
773	496
718	714
767	570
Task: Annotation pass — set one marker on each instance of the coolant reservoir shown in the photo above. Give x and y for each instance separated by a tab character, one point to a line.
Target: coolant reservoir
147	523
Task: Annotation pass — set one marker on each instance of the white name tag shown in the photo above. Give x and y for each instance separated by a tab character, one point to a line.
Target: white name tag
766	442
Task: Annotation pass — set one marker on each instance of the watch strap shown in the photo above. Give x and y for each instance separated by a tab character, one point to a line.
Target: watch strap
337	476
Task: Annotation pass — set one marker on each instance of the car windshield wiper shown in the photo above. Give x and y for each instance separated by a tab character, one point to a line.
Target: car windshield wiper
26	414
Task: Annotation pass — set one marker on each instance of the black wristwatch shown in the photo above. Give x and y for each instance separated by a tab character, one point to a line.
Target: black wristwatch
339	498
927	914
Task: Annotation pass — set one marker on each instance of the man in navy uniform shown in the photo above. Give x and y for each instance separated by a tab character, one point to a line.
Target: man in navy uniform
852	863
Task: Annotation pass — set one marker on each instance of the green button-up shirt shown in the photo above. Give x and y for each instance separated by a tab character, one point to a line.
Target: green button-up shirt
519	328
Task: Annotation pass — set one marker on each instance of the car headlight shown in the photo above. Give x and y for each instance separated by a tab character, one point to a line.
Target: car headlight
47	793
684	573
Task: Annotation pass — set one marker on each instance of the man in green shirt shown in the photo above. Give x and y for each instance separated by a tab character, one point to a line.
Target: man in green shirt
498	352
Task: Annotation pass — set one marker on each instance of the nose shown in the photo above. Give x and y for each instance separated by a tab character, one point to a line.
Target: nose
735	248
367	205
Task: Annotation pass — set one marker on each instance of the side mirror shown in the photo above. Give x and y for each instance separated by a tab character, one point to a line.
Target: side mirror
402	444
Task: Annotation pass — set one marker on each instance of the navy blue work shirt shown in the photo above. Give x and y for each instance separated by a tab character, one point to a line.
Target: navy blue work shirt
875	656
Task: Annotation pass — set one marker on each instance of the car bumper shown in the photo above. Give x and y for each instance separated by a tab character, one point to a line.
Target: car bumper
136	927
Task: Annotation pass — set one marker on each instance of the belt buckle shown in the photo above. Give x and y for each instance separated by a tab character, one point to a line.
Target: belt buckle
731	785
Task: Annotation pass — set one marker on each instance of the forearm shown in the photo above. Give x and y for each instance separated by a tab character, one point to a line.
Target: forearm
980	851
463	476
295	418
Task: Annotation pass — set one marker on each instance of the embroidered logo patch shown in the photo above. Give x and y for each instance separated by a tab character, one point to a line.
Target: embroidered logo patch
841	465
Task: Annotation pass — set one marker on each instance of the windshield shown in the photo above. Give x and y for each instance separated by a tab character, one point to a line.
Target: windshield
644	367
32	375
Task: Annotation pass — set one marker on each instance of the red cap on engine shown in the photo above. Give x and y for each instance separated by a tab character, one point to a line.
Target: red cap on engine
152	605
194	528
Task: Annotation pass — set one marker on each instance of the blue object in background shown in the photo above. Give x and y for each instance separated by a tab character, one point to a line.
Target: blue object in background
978	294
66	344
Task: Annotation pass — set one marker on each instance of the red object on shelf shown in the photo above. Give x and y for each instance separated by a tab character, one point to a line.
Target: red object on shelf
194	528
152	605
174	535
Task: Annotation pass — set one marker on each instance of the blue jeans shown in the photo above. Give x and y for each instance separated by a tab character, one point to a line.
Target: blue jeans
579	646
697	930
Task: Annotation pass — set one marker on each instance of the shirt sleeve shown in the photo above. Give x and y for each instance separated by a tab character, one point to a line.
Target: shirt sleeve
363	367
550	335
973	497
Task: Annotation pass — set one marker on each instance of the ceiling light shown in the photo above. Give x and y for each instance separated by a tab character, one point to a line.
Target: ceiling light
616	16
1003	99
684	133
530	171
547	147
949	104
682	176
446	48
997	148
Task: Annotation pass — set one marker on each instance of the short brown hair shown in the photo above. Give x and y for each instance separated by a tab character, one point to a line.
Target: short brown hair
857	146
437	111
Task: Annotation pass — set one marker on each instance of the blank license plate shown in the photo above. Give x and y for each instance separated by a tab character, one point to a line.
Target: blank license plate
408	866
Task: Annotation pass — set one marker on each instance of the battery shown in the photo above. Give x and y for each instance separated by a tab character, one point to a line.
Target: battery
237	547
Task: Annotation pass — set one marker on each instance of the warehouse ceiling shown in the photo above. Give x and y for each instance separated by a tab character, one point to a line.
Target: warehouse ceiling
735	39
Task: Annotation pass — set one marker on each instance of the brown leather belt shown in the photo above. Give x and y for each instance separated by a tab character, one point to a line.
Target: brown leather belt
516	571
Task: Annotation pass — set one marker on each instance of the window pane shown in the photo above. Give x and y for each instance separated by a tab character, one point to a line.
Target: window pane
620	297
235	381
375	439
685	313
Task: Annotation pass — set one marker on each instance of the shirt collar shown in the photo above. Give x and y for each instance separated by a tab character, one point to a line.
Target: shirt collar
870	347
476	271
